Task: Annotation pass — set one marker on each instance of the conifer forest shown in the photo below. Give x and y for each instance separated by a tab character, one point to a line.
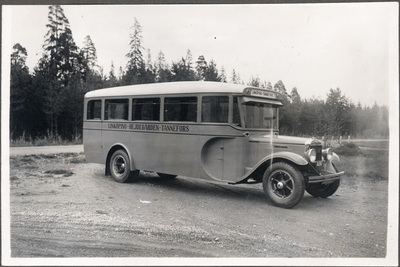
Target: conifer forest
47	102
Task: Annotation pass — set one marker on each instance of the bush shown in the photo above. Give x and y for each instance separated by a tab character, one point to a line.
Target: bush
348	149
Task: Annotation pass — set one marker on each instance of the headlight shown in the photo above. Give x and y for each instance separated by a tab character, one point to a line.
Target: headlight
312	155
327	153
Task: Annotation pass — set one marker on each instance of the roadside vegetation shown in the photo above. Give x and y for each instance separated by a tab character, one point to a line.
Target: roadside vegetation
44	141
366	164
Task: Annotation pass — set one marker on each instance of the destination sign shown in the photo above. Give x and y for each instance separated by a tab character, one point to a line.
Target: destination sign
149	127
261	93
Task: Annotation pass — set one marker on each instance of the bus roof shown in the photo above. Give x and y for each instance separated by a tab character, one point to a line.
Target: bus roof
171	88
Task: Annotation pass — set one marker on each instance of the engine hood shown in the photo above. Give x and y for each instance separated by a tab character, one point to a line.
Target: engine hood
282	139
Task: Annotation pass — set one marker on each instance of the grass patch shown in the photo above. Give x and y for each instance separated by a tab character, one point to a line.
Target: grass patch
347	149
47	156
371	165
48	140
65	173
25	162
68	154
77	160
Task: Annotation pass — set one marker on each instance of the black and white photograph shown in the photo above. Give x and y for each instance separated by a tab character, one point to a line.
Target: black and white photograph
191	134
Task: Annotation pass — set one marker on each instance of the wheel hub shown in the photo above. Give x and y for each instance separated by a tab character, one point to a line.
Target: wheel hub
280	185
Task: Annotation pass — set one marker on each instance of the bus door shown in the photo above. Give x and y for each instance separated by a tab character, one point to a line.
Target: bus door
222	158
92	131
222	154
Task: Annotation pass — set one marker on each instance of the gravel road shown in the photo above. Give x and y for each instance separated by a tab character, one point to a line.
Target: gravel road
62	206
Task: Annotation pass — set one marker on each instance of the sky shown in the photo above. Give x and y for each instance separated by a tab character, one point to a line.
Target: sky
313	47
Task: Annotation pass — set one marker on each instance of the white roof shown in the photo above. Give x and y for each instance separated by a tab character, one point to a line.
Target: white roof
169	88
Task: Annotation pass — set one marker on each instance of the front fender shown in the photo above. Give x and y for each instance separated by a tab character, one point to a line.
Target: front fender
286	155
335	157
296	158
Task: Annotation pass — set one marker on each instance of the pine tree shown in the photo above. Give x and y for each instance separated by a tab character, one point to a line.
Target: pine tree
89	57
189	60
135	69
112	80
254	81
150	76
280	88
223	75
295	96
294	112
60	63
60	48
21	109
212	72
163	73
135	55
201	68
235	77
183	70
336	108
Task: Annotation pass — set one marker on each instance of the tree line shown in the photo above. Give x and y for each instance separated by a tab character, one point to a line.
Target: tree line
48	102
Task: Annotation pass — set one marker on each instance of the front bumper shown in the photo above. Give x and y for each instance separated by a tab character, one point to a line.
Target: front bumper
325	177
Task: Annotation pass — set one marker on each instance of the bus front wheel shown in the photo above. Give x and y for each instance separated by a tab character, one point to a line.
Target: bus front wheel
120	167
321	190
283	185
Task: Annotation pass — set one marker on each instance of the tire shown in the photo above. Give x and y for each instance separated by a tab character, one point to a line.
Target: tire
323	190
283	185
120	168
166	176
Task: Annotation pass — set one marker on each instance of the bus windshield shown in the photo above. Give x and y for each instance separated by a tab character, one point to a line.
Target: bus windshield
260	115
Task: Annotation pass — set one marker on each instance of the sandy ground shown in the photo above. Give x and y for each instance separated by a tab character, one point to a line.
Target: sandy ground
62	206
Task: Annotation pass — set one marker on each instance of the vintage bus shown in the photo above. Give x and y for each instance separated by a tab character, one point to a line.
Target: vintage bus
207	130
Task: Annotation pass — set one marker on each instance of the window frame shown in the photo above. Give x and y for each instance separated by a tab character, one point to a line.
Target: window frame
140	98
106	115
164	104
88	110
228	116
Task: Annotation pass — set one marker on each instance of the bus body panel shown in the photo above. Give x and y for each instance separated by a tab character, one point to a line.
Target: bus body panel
180	155
191	151
146	153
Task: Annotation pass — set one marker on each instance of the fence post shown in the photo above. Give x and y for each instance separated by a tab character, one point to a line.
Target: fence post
348	139
340	140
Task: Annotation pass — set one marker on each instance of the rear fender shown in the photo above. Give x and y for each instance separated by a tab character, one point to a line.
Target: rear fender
111	151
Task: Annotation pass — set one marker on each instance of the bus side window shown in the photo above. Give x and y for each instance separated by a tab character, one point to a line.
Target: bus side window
94	110
116	109
146	109
180	109
236	114
215	109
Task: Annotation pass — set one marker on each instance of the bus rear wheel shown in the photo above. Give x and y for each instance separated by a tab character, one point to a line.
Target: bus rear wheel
120	168
283	185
